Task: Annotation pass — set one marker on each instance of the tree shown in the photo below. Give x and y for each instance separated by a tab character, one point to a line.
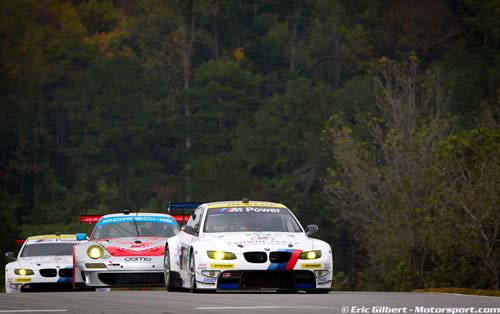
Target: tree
224	97
468	165
283	145
382	183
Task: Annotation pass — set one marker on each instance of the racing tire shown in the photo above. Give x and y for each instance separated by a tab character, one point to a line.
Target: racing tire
318	291
169	276
192	271
192	274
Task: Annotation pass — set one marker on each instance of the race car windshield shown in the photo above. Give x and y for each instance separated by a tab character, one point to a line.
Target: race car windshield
48	249
142	226
238	219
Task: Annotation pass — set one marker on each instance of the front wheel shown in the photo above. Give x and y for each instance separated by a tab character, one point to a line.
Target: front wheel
192	272
167	274
318	291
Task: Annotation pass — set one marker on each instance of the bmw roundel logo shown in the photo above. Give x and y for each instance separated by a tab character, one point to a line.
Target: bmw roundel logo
267	249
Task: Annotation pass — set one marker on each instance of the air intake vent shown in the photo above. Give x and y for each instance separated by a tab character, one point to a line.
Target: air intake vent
256	257
279	257
48	272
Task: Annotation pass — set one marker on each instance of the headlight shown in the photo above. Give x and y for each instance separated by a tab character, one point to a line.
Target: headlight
220	255
95	251
23	272
310	255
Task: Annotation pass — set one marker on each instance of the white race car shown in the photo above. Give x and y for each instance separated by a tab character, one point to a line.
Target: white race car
124	250
243	245
44	263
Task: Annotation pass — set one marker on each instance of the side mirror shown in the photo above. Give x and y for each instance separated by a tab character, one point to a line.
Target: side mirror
81	236
10	256
311	229
189	230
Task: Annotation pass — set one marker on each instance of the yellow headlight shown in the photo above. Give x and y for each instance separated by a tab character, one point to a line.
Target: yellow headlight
310	255
219	255
23	272
95	251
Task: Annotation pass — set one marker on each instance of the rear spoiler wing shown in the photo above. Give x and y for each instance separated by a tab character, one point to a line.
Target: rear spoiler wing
90	219
181	211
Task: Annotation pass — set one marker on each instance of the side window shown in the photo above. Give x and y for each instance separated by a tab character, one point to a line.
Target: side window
190	221
195	219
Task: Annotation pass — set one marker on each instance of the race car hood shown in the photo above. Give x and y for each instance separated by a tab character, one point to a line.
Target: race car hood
134	246
45	261
249	241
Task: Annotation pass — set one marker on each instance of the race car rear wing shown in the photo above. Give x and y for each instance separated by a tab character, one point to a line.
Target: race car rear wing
181	211
90	219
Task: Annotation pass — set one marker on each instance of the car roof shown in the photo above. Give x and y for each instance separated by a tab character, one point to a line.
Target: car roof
244	204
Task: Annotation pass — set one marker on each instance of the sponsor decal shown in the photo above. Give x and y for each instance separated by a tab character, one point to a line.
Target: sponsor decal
226	210
130	248
131	219
38	241
209	280
262	240
138	259
202	266
251	204
322	279
221	266
248	209
311	265
22	280
55	237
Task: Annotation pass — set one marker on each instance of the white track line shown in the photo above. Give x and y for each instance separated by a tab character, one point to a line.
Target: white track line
32	311
260	307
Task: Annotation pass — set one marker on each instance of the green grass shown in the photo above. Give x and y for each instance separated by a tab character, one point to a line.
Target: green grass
491	293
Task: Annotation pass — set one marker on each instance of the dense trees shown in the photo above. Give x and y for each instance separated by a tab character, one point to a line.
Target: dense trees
376	119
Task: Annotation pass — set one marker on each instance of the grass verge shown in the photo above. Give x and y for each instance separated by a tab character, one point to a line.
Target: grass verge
490	293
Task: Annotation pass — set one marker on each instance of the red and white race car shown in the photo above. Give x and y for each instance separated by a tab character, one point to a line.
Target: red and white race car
124	250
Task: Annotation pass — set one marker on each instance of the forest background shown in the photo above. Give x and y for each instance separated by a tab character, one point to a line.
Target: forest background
377	120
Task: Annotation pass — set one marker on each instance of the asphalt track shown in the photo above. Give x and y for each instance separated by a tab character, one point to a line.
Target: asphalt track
241	302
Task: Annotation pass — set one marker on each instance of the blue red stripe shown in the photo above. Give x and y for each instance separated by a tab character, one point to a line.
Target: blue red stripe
290	264
293	259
